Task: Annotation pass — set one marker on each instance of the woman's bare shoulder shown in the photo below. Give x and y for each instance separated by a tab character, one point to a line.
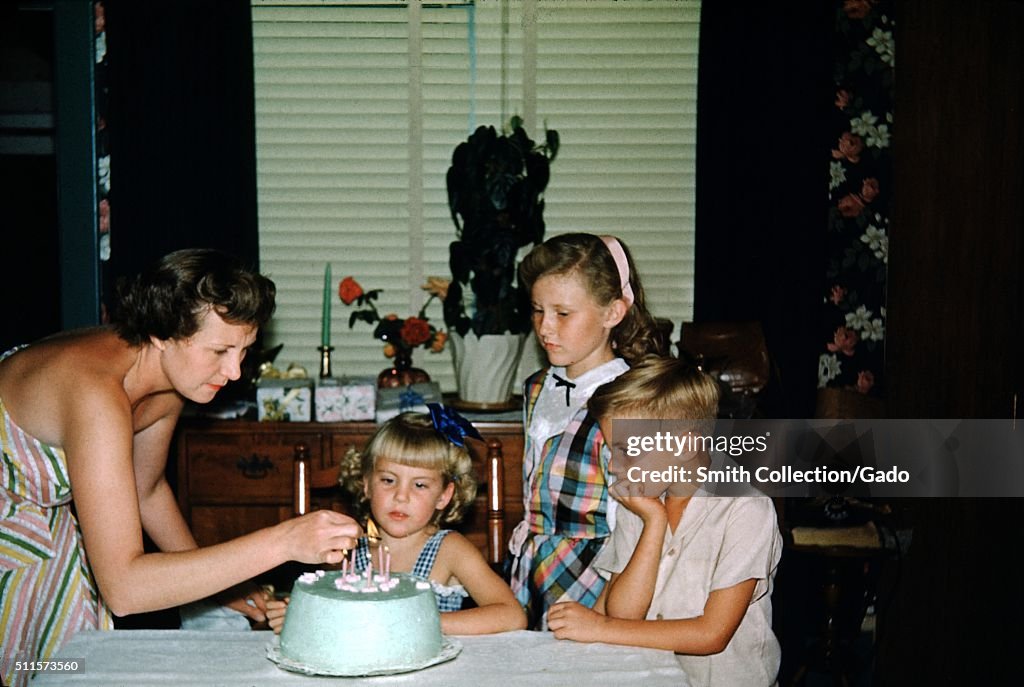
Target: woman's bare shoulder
43	384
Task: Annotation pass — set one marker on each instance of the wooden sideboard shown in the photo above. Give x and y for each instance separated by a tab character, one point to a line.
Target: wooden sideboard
236	476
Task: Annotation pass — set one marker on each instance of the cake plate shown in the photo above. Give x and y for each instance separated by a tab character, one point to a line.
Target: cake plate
450	648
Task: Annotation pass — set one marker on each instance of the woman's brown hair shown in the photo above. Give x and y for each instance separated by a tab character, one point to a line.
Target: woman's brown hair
168	300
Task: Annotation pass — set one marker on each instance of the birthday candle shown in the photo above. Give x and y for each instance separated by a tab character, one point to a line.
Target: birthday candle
387	565
325	324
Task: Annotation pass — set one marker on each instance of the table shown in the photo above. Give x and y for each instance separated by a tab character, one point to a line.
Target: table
846	555
233	659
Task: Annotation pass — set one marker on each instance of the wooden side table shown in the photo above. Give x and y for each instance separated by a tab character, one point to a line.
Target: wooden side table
846	555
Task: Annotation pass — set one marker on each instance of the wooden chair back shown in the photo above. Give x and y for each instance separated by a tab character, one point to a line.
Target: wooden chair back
735	353
495	466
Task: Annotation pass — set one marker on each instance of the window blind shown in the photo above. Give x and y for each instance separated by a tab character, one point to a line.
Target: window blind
360	105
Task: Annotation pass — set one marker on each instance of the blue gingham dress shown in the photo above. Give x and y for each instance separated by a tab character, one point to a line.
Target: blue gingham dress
449	598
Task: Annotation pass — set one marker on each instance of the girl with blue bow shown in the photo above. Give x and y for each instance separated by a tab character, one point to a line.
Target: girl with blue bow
416	475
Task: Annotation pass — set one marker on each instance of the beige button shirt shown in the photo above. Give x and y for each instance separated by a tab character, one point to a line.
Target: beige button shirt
720	542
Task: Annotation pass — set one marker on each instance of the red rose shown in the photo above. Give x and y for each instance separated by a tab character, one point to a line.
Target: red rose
838	293
869	189
850	206
842	98
104	216
844	340
865	380
415	331
857	9
349	290
850	147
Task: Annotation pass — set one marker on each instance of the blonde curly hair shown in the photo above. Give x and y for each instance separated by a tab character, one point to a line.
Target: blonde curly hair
411	439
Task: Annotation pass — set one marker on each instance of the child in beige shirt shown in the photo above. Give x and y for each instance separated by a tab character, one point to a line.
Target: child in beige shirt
689	571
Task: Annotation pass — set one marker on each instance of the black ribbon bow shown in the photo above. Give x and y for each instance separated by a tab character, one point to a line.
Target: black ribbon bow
569	386
453	426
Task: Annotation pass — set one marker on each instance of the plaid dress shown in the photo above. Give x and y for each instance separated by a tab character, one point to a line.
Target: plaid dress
449	598
566	507
47	592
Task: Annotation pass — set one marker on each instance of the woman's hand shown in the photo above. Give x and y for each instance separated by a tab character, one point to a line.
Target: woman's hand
322	536
572	620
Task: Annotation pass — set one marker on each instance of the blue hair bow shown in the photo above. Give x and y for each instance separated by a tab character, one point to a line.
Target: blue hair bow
452	425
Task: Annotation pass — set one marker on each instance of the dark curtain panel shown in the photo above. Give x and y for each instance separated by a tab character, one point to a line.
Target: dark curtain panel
852	343
764	100
32	299
28	194
956	321
182	138
182	125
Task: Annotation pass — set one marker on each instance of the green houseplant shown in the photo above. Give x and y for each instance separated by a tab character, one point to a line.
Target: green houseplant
496	186
496	196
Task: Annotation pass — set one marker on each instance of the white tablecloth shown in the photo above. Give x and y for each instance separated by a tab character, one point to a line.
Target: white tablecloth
195	658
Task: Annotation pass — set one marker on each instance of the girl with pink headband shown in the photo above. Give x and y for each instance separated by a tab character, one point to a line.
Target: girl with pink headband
590	318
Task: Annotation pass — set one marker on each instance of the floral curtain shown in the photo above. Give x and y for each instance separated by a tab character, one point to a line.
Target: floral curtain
860	193
100	83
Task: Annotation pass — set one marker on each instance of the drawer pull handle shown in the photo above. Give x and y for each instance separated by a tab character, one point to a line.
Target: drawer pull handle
255	467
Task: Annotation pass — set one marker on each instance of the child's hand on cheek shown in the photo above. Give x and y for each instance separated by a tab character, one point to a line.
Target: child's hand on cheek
636	497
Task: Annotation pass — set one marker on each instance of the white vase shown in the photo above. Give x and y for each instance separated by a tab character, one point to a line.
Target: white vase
485	367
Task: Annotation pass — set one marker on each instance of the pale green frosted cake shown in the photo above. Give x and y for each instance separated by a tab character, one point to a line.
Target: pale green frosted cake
353	630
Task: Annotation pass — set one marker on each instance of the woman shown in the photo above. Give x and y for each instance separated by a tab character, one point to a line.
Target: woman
90	414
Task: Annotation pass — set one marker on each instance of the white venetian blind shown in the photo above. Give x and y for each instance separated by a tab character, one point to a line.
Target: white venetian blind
359	106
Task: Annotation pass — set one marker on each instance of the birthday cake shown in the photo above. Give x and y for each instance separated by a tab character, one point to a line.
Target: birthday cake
340	623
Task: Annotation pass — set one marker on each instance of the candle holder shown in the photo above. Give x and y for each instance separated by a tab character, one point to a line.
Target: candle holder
325	360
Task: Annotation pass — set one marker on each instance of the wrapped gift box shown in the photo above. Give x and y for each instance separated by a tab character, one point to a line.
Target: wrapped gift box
402	399
345	400
284	400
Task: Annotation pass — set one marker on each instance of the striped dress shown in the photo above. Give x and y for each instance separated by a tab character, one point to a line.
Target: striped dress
47	592
566	521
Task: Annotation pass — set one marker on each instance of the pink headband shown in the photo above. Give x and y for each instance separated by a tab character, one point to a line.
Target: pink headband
619	255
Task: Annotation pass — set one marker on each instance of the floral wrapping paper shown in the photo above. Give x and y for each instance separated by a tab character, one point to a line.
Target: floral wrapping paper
348	400
284	400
